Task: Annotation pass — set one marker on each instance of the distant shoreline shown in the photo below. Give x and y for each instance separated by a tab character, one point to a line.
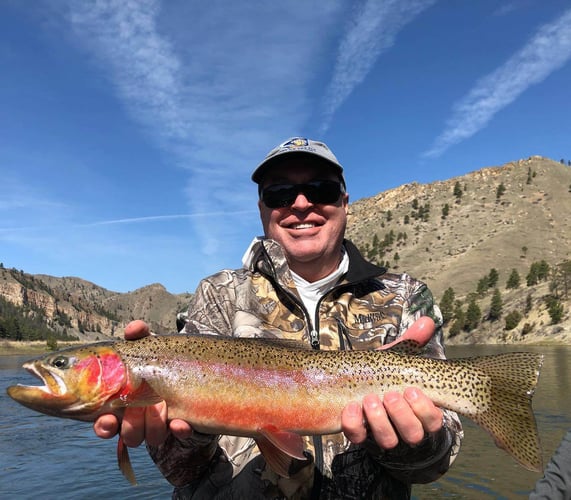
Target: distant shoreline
36	347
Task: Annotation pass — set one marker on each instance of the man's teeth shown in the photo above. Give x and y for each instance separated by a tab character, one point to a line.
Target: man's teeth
303	226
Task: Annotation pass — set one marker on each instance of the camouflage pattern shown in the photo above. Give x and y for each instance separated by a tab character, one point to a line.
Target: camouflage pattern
367	309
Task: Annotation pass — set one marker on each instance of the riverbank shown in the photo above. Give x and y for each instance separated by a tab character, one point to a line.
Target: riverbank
32	348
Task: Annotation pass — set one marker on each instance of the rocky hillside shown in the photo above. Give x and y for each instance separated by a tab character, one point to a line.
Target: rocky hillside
451	234
82	309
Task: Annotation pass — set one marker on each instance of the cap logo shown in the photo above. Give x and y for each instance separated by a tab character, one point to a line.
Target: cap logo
296	142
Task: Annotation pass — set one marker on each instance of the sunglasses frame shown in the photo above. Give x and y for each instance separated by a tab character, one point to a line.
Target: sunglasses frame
319	192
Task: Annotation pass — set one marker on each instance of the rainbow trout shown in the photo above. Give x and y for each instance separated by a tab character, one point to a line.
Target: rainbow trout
275	391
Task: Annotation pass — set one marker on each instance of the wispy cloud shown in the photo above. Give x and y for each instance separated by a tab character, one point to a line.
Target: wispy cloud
130	220
548	50
371	31
209	92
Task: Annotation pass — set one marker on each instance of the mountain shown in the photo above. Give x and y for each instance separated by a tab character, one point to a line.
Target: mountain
452	234
75	307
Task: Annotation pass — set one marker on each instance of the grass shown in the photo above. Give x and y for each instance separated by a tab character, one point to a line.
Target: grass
37	347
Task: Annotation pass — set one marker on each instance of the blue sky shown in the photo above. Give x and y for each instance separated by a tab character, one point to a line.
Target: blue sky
128	130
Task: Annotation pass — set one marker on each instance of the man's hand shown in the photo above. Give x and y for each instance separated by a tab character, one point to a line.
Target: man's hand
141	424
407	416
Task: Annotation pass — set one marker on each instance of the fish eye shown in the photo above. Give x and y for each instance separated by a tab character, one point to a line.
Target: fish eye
61	362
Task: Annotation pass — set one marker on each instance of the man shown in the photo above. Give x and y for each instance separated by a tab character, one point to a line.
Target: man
304	281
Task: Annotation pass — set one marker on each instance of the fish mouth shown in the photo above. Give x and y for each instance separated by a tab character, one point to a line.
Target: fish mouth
53	387
53	383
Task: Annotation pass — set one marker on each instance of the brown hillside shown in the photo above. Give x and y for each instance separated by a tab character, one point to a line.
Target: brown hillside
528	223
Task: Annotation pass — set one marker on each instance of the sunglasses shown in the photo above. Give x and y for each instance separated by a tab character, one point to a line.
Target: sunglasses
284	195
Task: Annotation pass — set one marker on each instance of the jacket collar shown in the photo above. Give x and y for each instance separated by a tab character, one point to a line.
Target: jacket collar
267	256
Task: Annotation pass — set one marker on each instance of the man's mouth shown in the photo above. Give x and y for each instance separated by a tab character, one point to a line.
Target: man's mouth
304	225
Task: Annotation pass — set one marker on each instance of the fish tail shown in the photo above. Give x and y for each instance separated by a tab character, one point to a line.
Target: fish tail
507	414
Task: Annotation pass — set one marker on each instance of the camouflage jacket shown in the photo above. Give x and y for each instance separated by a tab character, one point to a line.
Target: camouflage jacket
366	309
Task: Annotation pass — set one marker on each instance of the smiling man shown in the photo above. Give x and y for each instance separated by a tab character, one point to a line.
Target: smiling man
303	281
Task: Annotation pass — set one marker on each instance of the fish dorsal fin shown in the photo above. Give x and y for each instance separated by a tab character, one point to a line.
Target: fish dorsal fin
410	347
285	343
124	462
279	448
144	395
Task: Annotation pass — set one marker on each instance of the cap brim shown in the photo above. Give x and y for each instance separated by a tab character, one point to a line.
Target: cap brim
262	168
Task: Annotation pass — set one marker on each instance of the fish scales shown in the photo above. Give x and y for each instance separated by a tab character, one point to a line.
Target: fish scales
268	389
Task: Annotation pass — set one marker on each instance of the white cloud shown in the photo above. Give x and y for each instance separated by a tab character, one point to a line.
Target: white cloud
217	92
548	50
371	31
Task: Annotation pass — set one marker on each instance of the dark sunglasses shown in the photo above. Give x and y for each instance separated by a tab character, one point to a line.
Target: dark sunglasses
283	195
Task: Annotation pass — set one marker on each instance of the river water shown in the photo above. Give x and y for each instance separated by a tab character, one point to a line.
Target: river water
46	457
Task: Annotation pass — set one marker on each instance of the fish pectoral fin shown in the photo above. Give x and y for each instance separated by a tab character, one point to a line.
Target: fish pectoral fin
144	395
124	462
279	448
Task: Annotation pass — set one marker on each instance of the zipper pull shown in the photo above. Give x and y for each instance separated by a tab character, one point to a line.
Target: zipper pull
314	338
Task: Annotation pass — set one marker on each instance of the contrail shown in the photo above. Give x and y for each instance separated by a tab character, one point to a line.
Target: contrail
548	50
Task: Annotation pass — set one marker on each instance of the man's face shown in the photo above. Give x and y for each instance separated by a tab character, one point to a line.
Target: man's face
311	234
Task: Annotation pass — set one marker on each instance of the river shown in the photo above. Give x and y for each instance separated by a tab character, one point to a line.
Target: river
46	457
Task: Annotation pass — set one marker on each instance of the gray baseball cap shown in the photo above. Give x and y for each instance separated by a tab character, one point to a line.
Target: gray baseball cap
299	146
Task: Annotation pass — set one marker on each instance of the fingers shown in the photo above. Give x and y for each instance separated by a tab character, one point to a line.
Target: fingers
106	426
180	429
421	332
407	417
145	424
424	409
156	429
353	423
406	423
137	329
133	427
381	428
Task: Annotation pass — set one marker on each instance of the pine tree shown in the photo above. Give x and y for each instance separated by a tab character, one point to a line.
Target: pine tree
445	210
447	305
496	306
457	191
473	315
512	320
513	280
493	278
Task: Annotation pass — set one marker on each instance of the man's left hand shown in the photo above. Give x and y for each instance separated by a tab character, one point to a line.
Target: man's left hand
406	416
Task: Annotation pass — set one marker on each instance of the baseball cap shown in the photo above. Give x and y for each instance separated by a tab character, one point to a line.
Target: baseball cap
298	146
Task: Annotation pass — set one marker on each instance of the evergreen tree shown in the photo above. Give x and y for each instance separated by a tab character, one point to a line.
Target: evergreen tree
445	210
555	310
493	278
513	280
447	305
528	304
532	278
512	320
459	322
496	306
473	315
483	285
500	191
457	191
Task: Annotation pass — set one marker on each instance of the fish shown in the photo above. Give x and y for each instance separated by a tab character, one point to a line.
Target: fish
275	391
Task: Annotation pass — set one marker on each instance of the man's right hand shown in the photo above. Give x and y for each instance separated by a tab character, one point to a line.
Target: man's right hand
148	424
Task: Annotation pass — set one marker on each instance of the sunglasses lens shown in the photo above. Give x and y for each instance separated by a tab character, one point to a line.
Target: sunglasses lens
283	195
